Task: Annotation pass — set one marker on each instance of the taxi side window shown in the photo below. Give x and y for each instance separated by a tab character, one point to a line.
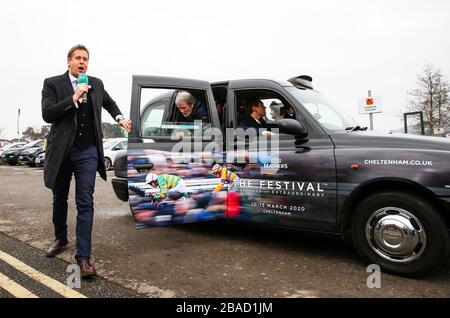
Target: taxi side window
169	112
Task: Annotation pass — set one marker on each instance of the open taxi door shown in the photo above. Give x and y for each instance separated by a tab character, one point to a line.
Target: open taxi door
171	152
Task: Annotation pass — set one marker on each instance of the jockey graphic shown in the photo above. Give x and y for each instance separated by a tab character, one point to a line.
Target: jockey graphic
225	177
166	183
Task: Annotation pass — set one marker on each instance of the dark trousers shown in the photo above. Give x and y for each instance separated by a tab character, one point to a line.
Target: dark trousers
83	164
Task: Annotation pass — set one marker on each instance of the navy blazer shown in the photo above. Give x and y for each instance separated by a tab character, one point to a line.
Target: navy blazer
249	122
59	110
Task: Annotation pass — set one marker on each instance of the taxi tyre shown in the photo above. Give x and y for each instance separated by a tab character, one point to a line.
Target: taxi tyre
401	232
108	163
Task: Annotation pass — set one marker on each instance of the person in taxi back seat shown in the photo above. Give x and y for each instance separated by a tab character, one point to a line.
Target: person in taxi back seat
189	108
275	112
290	113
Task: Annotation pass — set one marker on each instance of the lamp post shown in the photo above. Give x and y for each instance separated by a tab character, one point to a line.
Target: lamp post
18	123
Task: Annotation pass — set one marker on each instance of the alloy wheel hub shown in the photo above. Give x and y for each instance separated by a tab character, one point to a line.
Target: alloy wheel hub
395	234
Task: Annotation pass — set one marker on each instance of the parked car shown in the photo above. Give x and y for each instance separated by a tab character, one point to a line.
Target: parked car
28	156
40	160
16	140
389	193
11	156
4	142
11	146
110	149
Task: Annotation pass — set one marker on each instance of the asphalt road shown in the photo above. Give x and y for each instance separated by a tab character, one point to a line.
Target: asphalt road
40	280
197	260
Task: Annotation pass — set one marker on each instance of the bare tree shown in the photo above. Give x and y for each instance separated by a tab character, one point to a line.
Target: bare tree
32	134
29	133
44	132
109	131
432	97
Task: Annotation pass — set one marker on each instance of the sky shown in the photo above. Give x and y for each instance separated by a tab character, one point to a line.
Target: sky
347	46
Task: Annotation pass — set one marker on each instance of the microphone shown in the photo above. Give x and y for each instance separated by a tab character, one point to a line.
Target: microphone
83	79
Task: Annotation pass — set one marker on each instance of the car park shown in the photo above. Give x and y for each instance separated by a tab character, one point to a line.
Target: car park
11	156
320	172
110	148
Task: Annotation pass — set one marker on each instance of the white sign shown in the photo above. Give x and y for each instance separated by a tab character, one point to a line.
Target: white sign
368	105
439	131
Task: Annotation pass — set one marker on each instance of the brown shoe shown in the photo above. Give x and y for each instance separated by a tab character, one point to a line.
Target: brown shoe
87	270
57	247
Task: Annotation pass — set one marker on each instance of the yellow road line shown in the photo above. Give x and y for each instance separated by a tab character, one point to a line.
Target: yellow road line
44	279
15	289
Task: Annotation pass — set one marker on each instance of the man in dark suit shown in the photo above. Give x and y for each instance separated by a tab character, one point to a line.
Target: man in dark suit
75	147
254	118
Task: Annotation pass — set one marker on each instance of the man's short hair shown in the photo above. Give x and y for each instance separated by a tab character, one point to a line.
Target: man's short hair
252	101
185	97
77	47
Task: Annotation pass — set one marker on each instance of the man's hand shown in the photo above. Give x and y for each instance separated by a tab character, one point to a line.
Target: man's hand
267	133
81	89
125	124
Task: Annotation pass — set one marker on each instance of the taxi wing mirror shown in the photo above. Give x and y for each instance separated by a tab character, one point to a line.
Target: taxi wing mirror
293	127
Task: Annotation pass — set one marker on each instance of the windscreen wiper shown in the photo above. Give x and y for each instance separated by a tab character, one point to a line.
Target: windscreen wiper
355	128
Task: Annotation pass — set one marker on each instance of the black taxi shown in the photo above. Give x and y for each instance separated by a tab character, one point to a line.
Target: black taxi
317	170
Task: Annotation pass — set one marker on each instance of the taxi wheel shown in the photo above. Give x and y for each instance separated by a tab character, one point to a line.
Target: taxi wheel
401	232
108	163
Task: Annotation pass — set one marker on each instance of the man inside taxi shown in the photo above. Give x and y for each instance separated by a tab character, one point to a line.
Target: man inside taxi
189	108
254	118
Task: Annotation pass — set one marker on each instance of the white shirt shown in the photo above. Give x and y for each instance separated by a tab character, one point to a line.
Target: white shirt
74	82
